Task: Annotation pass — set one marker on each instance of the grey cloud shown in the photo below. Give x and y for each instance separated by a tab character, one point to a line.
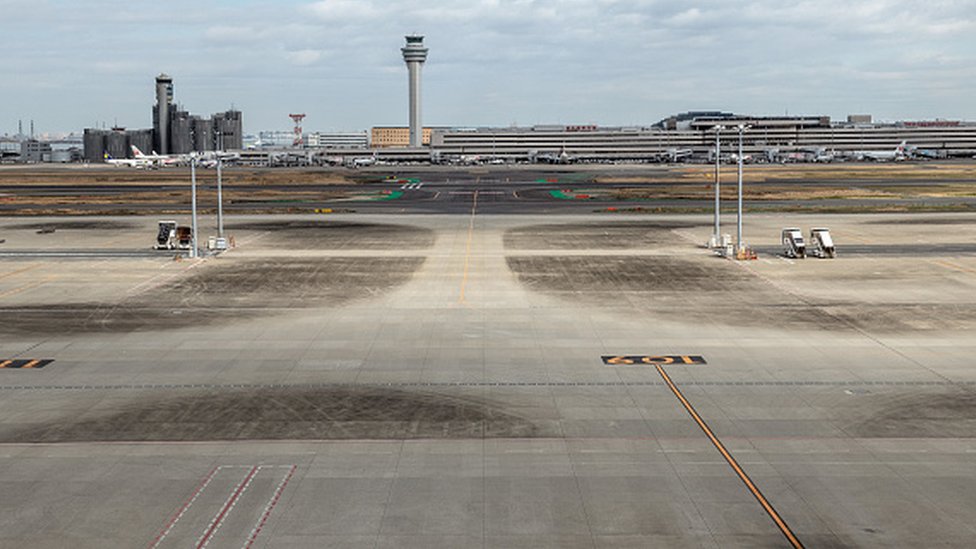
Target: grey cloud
491	61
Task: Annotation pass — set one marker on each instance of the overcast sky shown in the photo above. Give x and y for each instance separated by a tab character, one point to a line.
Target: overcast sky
71	64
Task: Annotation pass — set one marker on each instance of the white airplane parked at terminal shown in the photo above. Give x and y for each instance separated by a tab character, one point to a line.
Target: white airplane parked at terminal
677	155
159	159
206	159
127	162
823	155
882	156
363	161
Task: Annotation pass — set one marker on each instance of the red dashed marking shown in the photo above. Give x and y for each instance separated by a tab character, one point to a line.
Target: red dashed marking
186	506
268	508
228	506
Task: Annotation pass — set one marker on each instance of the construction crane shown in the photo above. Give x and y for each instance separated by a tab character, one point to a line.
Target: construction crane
297	142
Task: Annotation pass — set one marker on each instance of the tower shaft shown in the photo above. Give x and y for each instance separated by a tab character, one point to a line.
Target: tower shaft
414	55
164	97
416	124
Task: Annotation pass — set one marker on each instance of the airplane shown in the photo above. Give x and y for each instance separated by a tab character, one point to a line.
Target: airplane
551	158
882	156
127	162
823	155
158	159
930	154
363	161
673	155
677	155
206	159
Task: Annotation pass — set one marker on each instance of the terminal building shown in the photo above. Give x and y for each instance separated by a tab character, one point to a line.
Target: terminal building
337	140
174	131
382	137
281	139
695	133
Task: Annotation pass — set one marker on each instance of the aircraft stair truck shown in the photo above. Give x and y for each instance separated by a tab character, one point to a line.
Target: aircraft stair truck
793	245
166	237
184	238
821	243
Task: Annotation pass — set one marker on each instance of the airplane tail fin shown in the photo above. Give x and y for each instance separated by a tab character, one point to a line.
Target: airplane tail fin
901	148
106	156
136	152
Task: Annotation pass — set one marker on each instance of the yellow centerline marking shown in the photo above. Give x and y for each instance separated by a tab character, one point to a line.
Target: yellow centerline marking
783	527
467	248
954	266
18	271
25	287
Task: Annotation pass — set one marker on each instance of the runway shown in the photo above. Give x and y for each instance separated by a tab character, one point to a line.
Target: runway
474	378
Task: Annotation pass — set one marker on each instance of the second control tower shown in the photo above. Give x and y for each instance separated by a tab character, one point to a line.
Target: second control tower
161	113
414	55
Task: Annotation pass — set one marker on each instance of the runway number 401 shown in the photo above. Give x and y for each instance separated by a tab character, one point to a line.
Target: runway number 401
624	360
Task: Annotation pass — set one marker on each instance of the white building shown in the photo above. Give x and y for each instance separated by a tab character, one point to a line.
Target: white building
337	140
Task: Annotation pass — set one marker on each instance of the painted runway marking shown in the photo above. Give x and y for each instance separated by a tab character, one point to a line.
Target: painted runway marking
227	508
498	383
28	286
467	247
18	271
183	509
24	363
182	528
268	508
617	360
780	523
955	267
160	279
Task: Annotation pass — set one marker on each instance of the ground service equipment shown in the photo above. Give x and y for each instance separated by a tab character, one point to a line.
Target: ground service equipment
793	245
184	238
166	237
821	243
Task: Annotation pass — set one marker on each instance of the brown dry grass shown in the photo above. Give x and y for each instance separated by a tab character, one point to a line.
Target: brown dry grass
929	171
175	197
766	192
93	176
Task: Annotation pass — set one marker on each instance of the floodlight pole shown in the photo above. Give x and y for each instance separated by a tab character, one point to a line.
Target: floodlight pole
193	204
220	200
220	194
718	185
738	242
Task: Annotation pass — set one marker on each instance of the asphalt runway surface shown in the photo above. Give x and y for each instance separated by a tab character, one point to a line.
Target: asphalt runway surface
502	190
470	378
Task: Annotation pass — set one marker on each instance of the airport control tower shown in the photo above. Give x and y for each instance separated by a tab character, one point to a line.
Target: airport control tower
164	98
414	55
